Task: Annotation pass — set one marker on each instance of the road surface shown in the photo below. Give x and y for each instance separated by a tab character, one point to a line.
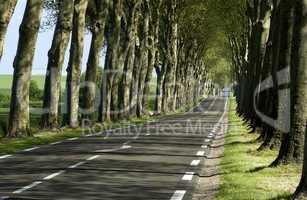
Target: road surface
159	160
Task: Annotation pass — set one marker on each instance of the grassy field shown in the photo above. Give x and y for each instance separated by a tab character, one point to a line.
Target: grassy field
245	171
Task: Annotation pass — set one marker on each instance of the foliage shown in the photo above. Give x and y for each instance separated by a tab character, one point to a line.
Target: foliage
35	92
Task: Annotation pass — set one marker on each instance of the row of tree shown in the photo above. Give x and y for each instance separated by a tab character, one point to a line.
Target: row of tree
139	37
269	62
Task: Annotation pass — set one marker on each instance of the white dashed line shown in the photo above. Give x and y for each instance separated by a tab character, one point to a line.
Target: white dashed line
51	176
93	157
72	139
55	143
147	134
200	153
76	165
195	162
27	187
125	147
204	146
178	195
30	149
207	140
5	156
188	176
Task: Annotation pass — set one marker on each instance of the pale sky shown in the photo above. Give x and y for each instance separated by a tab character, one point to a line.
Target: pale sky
42	46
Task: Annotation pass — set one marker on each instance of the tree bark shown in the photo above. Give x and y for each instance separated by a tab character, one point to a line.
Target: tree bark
52	89
144	52
109	92
7	8
19	109
97	29
171	63
75	64
153	50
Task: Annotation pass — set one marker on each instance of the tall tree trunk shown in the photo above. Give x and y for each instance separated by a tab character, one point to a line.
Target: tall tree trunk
153	49
130	45
109	93
301	92
97	30
171	63
52	89
144	50
19	109
291	149
160	71
75	64
7	8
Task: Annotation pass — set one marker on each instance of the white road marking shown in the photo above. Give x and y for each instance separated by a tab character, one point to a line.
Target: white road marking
125	147
30	149
72	139
27	187
204	146
207	140
147	134
5	156
55	143
77	165
178	195
188	176
51	176
200	153
93	157
195	162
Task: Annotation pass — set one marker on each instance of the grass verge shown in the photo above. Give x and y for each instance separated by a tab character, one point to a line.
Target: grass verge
245	171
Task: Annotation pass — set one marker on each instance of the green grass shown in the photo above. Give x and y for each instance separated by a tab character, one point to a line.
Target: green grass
245	171
6	82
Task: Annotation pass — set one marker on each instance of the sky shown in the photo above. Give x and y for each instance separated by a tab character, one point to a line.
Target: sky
42	47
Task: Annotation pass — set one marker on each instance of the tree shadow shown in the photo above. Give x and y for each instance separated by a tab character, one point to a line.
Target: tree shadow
257	169
282	197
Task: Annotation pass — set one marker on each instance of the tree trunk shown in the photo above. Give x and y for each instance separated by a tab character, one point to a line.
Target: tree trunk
153	50
171	63
75	64
109	92
144	50
19	109
7	8
301	92
130	45
97	30
291	149
52	89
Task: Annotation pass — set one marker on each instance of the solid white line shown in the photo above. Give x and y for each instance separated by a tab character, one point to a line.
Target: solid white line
55	143
51	176
27	187
5	156
188	176
178	195
195	162
72	139
200	153
77	165
30	149
93	157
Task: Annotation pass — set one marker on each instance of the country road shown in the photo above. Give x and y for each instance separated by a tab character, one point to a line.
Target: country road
159	160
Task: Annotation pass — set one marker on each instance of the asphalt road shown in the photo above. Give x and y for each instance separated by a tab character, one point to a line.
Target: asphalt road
159	160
